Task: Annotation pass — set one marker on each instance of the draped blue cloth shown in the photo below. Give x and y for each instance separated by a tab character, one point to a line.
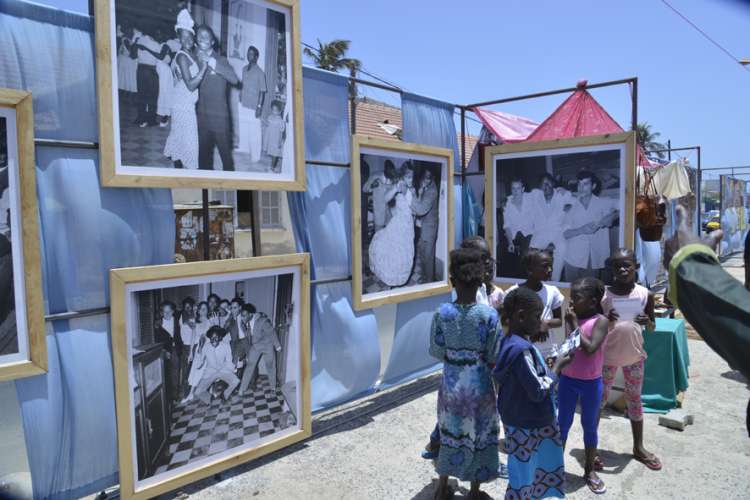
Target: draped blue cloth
68	414
345	348
426	121
51	54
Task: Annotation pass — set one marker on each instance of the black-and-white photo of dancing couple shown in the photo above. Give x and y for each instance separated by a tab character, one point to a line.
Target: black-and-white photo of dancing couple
404	221
569	204
204	87
215	368
12	344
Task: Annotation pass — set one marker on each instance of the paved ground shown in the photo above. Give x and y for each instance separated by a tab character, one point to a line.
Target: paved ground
371	450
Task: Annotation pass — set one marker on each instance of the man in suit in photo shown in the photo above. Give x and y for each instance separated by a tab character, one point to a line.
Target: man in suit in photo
214	128
426	209
239	336
167	333
264	344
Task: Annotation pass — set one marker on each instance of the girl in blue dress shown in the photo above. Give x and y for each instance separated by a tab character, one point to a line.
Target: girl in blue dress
463	337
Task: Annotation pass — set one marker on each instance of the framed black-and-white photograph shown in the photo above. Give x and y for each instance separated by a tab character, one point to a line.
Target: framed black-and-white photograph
572	197
23	350
200	94
402	223
212	366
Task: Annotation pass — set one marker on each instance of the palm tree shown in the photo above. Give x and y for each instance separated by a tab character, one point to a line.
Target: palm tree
331	56
647	138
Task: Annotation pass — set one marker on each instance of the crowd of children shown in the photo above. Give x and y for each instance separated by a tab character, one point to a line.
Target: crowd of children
512	372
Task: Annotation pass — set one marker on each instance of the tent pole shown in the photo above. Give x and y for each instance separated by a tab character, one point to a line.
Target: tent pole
699	196
634	104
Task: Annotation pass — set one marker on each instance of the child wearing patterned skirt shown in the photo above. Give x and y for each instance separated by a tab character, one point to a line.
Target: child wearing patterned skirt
526	402
624	346
463	336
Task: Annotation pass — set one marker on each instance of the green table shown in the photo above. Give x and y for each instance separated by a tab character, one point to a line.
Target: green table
666	370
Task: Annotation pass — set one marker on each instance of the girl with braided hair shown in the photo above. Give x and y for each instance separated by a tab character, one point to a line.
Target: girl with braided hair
583	378
526	402
463	336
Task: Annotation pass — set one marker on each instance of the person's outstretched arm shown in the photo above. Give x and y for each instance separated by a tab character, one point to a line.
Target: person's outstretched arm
716	304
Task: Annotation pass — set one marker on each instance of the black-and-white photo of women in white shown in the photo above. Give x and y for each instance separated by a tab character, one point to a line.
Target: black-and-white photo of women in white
203	88
215	368
404	221
13	338
568	204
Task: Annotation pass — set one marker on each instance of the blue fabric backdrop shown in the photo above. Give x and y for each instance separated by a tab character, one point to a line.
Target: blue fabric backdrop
345	349
69	414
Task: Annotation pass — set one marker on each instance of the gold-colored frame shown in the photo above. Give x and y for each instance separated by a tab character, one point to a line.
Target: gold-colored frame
360	141
119	279
626	138
36	362
105	82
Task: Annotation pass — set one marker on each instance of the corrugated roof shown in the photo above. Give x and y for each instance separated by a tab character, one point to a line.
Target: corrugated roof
371	114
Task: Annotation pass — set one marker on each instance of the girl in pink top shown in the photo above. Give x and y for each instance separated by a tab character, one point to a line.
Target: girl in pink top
582	379
625	346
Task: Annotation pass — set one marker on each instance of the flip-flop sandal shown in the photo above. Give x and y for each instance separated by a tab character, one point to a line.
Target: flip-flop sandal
598	464
597	486
430	454
652	463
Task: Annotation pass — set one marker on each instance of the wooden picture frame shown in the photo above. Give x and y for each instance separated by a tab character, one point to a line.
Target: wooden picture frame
29	356
291	177
125	284
404	153
624	142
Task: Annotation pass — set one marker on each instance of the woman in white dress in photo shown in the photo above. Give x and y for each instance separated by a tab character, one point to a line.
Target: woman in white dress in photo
391	250
197	341
182	142
127	66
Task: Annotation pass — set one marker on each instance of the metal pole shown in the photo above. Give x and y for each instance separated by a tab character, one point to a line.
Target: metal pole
699	190
255	222
549	93
669	150
463	140
206	228
634	104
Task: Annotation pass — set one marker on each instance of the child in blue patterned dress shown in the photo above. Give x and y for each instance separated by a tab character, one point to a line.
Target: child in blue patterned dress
526	402
463	337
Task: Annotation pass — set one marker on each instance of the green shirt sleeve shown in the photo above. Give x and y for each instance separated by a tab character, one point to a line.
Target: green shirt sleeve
716	304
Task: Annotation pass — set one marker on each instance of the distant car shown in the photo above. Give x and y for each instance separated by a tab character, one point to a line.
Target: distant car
712	224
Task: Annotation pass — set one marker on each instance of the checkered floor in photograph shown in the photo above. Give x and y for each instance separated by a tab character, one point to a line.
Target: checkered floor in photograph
200	430
145	146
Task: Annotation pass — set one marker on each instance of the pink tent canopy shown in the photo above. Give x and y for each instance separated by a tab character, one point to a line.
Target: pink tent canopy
506	127
578	116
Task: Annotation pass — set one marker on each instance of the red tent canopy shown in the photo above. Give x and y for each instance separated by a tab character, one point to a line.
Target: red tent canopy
580	115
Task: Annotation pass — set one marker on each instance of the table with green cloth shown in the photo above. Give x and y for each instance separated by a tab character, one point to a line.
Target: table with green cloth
666	370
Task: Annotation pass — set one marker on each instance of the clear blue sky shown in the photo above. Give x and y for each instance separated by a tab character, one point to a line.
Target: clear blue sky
467	51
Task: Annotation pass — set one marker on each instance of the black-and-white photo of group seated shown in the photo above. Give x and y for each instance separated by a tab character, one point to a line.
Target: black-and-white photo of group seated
403	211
214	368
569	202
204	90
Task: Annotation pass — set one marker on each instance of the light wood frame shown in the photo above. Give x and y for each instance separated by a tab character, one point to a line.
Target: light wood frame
361	141
119	279
36	362
107	87
628	139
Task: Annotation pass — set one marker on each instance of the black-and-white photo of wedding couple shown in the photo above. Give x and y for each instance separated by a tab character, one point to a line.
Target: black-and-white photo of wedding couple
568	204
404	222
216	367
204	88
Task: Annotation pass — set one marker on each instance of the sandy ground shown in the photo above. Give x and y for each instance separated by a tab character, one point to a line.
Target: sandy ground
370	450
